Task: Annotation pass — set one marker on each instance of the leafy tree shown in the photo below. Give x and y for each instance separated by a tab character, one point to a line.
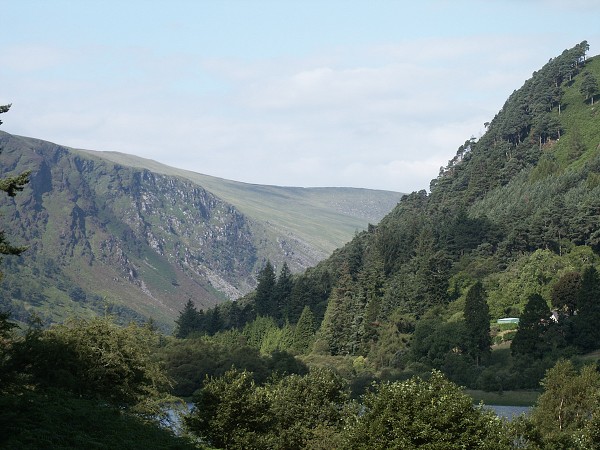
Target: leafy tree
434	339
564	293
567	407
35	420
418	413
95	359
300	405
477	322
530	339
189	321
230	412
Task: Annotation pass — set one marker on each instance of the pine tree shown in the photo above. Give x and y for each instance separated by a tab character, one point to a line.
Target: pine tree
304	332
587	320
342	323
282	293
533	326
11	185
188	320
477	322
264	299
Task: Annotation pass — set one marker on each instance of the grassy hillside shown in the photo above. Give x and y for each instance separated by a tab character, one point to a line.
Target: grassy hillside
116	236
324	217
515	213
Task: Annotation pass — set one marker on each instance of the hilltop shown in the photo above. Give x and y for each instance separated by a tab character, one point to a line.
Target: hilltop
113	232
512	219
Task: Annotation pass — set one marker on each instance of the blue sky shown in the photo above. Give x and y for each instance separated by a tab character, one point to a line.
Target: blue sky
375	94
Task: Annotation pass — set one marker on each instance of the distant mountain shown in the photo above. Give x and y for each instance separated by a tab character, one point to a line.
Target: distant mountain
113	232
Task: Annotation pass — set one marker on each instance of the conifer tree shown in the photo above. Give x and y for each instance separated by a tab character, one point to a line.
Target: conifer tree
341	325
265	289
282	292
188	320
11	185
589	87
477	322
533	326
587	320
304	332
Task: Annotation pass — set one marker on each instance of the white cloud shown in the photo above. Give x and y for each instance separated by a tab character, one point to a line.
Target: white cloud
382	116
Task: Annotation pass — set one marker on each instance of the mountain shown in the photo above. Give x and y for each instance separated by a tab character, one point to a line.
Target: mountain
515	214
113	232
517	209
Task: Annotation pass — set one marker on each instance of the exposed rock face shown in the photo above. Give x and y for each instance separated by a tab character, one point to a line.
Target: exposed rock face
105	236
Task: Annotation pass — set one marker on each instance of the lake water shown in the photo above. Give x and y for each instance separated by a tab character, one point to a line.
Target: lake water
509	412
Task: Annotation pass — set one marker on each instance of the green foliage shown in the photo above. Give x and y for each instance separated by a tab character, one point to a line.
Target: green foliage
95	359
233	412
417	413
532	335
564	293
588	310
230	412
304	332
341	326
189	362
477	322
566	414
264	299
39	421
589	86
11	185
189	320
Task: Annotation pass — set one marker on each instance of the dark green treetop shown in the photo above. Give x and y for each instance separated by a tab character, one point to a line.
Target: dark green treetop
533	325
477	322
11	185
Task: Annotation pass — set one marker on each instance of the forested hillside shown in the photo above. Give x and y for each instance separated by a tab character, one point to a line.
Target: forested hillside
366	349
137	239
512	218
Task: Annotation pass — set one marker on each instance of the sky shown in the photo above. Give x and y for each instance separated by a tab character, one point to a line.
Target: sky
372	94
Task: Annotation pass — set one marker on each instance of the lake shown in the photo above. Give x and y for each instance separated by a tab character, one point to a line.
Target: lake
508	412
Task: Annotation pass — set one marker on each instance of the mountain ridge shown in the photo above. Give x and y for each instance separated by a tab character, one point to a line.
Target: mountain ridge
106	235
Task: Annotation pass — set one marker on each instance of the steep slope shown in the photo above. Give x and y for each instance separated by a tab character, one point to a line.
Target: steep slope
516	209
106	236
323	217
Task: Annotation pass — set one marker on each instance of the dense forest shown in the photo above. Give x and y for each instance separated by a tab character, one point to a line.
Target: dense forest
508	230
368	348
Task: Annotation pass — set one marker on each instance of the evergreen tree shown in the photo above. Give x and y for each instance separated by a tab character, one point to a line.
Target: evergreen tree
342	323
304	332
11	185
282	293
265	289
587	320
188	321
533	326
589	87
477	322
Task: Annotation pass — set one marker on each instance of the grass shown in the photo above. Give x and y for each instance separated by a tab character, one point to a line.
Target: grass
506	398
325	217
